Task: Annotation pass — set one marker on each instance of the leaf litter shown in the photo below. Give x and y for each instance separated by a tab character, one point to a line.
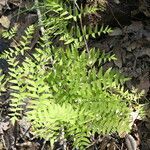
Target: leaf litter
130	44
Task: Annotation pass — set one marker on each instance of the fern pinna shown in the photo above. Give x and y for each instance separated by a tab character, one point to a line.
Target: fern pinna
59	88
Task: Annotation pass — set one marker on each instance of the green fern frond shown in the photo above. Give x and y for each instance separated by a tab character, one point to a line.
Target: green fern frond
2	82
89	93
65	23
64	90
11	33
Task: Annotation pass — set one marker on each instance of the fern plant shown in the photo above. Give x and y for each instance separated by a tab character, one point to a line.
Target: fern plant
9	34
66	20
16	72
60	89
81	99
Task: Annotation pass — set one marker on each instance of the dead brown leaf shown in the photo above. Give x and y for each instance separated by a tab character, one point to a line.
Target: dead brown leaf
15	2
144	7
142	52
4	126
116	32
5	21
136	26
130	142
3	2
144	83
118	51
133	46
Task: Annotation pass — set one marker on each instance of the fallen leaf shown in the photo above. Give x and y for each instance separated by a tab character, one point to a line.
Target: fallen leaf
142	52
136	26
144	83
144	7
133	46
15	2
116	32
3	2
145	145
118	51
5	21
130	142
3	127
146	34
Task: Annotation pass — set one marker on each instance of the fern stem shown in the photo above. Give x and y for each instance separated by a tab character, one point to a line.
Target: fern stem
85	41
39	17
62	138
81	24
42	26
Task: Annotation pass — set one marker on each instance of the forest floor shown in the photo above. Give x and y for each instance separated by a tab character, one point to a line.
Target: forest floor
129	41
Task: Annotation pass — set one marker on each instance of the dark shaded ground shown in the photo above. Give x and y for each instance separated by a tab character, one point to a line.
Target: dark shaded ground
130	42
